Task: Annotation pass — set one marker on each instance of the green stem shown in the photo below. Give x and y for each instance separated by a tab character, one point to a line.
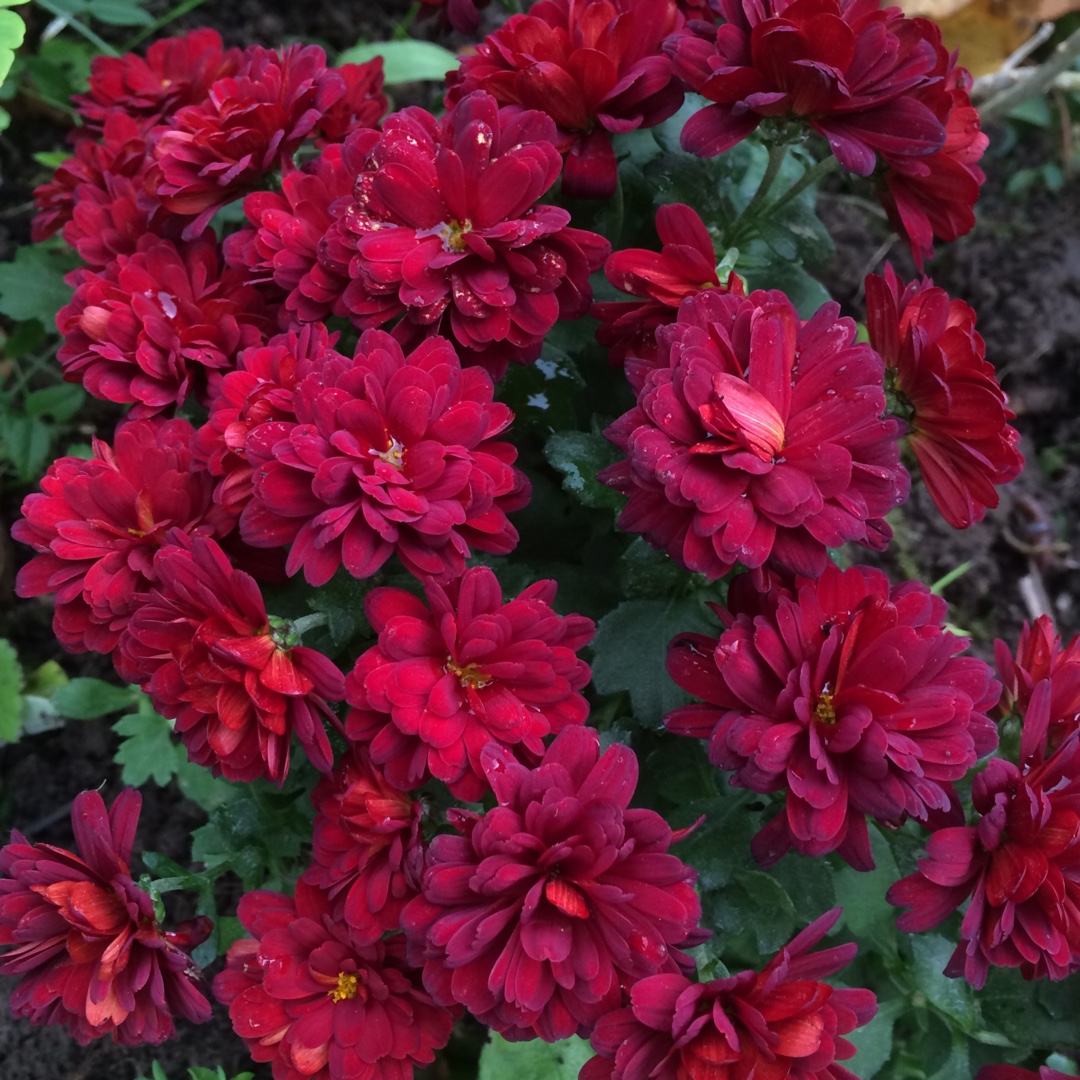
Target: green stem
772	171
170	16
811	176
308	622
401	30
74	23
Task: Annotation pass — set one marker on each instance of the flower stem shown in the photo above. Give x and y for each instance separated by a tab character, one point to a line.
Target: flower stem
308	622
82	28
777	153
811	176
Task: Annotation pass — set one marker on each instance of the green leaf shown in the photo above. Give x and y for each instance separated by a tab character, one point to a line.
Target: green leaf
579	456
32	286
57	403
545	396
502	1060
954	997
10	687
25	441
755	903
874	1041
12	32
647	573
341	599
867	914
405	61
147	750
631	652
88	699
119	13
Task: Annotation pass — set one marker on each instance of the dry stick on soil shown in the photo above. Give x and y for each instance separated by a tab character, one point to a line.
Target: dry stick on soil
1025	82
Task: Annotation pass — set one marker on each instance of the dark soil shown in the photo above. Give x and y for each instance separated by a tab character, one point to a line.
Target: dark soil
1020	270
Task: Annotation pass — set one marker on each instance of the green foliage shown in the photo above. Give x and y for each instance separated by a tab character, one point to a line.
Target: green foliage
89	699
631	649
195	1072
10	692
32	285
502	1060
12	32
579	456
404	61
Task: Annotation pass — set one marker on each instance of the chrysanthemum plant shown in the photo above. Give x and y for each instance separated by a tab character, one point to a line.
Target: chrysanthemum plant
488	519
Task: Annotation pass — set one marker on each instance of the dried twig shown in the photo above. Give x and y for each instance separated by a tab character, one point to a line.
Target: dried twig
1023	83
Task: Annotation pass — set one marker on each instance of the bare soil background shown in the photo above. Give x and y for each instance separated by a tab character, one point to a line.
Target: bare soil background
1019	269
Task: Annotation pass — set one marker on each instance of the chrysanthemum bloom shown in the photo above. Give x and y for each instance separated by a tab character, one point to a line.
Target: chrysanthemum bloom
96	524
260	391
782	1023
320	1005
362	105
177	71
685	265
445	230
250	123
462	15
367	853
465	670
236	683
95	167
390	453
545	908
1039	656
1020	864
594	66
846	694
947	392
847	68
935	196
84	939
757	438
286	228
156	326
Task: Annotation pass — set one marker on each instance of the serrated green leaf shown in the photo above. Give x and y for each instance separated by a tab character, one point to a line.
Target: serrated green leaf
10	688
58	403
954	997
631	653
867	914
579	456
404	61
874	1041
501	1060
32	286
147	750
88	699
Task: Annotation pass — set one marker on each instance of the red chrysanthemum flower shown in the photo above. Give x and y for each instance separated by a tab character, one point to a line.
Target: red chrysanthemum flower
594	66
1040	655
95	171
260	391
367	853
390	453
848	68
758	438
84	939
947	391
935	196
1020	864
466	670
781	1023
445	231
236	682
156	326
846	694
308	997
362	105
96	524
545	908
462	15
287	229
177	71
685	265
250	123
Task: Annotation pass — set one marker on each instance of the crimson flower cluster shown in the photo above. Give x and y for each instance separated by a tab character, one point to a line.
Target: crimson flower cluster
880	87
780	1022
539	913
388	453
845	693
594	66
461	673
757	438
305	994
1020	864
83	938
956	412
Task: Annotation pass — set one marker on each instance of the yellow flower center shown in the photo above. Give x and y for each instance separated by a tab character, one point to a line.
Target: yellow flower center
453	236
394	454
469	676
346	987
824	708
